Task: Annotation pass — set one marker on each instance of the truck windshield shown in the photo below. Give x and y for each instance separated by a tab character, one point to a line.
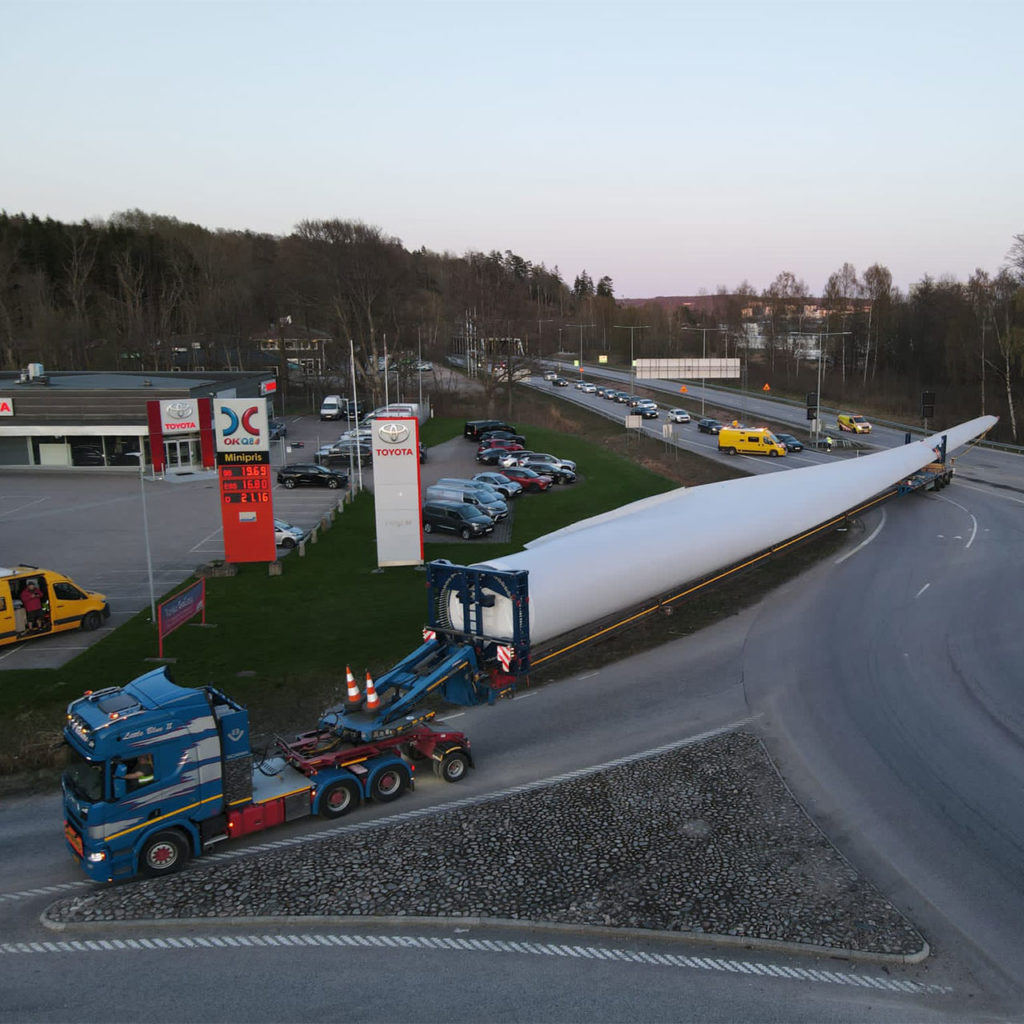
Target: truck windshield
84	778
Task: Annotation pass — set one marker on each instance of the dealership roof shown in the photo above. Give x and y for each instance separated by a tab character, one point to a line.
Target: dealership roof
85	380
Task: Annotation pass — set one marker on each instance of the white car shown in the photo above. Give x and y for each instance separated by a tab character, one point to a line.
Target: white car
678	416
551	375
288	536
586	387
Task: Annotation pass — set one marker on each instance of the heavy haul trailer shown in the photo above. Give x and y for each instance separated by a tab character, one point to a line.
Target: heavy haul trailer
159	773
934	476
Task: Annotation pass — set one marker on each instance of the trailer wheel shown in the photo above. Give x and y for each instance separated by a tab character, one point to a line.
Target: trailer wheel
339	798
164	854
90	621
389	784
452	767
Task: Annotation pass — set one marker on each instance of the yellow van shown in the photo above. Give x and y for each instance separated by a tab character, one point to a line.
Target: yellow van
37	602
749	441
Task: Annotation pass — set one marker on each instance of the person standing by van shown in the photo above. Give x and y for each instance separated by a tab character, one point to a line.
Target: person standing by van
32	602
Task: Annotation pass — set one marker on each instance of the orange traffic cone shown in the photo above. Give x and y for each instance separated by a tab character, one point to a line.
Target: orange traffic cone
372	700
354	696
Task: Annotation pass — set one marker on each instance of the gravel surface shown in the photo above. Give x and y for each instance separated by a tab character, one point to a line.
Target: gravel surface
705	839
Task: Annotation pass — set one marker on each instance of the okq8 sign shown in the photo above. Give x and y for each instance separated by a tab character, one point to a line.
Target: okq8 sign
243	467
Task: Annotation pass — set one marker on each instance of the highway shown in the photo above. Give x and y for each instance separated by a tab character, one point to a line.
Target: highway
884	683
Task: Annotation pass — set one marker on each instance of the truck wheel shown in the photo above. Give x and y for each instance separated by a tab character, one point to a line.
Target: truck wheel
90	621
339	798
452	767
389	784
164	854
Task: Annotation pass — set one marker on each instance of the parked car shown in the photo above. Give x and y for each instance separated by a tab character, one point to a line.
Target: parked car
502	483
311	475
424	366
474	428
490	499
496	456
531	481
456	517
709	426
677	416
487	501
501	435
277	429
558	474
341	453
551	460
791	443
853	423
288	536
423	454
560	382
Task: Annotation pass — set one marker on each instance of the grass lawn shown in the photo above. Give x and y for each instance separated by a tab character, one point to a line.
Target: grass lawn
281	643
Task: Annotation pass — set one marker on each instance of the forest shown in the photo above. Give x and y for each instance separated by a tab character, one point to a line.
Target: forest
146	292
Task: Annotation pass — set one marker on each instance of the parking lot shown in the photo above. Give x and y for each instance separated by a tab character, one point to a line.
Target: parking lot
89	525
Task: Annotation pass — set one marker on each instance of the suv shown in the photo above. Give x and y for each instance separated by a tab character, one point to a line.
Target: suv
551	460
317	476
474	428
559	474
489	436
504	485
678	416
709	426
456	517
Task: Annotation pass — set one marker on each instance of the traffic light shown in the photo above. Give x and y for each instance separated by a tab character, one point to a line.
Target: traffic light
927	405
812	405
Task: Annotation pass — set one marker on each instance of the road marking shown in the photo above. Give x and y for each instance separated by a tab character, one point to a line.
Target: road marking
990	493
18	508
922	590
969	514
451	944
864	543
45	890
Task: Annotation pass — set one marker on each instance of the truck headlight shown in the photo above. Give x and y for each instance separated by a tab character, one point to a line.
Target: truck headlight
96	857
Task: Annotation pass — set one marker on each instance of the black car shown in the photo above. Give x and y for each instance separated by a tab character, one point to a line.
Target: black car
277	430
560	474
560	382
423	453
493	456
456	517
647	412
474	428
501	435
791	443
709	426
311	475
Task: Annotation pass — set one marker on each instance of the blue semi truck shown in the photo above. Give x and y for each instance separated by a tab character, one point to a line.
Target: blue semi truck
159	773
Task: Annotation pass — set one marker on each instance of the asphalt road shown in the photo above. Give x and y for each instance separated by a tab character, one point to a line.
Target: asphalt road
885	683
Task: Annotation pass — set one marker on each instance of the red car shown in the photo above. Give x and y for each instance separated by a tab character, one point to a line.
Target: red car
500	442
527	479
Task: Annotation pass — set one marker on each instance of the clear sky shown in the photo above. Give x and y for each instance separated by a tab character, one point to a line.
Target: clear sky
674	147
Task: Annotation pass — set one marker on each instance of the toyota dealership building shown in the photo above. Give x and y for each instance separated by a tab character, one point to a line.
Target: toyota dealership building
103	420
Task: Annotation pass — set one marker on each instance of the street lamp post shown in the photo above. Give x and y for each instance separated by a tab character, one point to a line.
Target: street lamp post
704	356
632	369
141	455
581	326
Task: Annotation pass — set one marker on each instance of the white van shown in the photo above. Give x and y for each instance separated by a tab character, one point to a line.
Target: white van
331	408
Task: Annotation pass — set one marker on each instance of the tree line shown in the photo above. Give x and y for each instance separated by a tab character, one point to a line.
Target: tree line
138	290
